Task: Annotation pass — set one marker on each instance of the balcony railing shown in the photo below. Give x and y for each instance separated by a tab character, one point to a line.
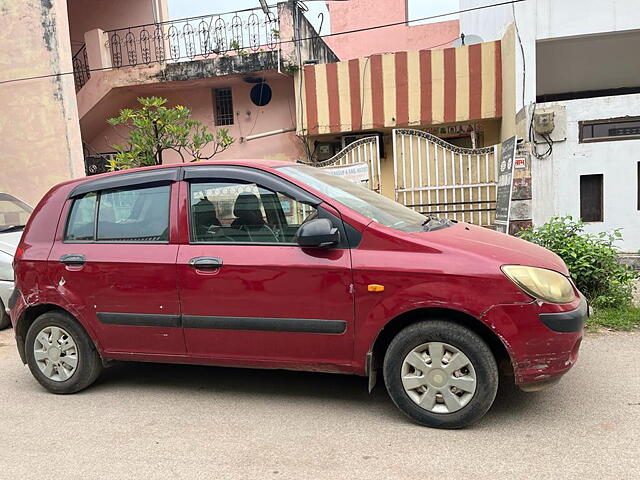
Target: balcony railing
81	72
213	35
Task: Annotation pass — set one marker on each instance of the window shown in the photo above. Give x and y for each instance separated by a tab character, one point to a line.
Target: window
608	130
136	215
223	104
591	203
233	212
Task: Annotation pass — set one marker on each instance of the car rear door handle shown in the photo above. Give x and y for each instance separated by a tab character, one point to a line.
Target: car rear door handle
73	259
203	263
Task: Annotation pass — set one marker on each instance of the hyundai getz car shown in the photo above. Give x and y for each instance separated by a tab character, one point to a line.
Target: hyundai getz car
279	265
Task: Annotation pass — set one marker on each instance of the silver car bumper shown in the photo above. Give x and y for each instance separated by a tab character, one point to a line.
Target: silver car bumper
6	289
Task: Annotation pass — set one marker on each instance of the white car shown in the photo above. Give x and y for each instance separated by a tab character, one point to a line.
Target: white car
13	217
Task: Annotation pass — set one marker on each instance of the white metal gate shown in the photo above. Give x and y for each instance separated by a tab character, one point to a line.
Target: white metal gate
437	178
365	151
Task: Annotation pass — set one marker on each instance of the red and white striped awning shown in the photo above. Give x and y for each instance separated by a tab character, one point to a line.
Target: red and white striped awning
415	88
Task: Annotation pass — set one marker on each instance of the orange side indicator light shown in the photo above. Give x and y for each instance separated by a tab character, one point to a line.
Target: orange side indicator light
374	287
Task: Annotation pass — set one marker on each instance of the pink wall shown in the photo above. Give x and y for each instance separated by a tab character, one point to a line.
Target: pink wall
356	14
85	15
249	119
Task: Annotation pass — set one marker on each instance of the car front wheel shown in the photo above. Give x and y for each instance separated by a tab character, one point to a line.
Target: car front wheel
441	374
60	354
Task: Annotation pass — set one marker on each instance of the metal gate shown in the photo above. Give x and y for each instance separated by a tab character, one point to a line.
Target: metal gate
362	152
437	178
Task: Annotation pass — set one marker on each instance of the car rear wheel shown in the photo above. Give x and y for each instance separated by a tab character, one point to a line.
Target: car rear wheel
441	374
4	318
60	354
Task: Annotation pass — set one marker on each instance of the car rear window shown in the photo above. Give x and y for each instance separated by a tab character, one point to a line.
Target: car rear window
132	215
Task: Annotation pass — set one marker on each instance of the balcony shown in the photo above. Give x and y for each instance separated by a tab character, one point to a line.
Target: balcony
237	42
210	36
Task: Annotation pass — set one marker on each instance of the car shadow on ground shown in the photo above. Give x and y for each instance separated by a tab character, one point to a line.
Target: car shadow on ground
344	390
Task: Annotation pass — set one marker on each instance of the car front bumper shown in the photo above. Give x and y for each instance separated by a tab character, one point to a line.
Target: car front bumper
6	289
543	339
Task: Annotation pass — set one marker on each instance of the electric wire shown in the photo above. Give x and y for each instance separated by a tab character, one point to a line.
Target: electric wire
294	40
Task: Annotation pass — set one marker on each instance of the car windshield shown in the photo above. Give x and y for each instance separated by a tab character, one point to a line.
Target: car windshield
372	205
13	213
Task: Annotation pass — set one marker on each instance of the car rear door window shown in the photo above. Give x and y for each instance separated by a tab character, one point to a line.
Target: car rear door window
235	212
131	215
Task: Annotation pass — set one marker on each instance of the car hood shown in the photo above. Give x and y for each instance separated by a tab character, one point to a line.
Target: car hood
501	248
9	242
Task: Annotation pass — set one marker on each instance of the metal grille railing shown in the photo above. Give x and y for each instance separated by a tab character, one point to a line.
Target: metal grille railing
81	72
213	35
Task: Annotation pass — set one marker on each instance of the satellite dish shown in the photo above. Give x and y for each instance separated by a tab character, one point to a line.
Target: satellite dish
467	40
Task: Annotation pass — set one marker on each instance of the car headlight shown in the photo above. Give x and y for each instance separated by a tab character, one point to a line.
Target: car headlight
540	283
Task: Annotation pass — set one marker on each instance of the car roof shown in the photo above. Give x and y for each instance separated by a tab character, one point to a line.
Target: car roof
256	163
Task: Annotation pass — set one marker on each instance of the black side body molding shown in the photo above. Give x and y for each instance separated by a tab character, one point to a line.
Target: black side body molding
299	325
140	319
293	325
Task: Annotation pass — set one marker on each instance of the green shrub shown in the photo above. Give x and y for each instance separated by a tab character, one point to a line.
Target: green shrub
591	259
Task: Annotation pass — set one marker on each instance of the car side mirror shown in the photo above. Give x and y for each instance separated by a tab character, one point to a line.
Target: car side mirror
318	233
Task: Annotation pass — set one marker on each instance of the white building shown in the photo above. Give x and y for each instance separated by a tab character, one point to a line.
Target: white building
581	63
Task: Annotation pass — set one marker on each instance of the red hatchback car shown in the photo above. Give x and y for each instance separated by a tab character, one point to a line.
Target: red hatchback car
277	265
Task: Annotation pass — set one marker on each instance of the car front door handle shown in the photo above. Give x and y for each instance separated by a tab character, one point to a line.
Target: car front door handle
205	263
73	259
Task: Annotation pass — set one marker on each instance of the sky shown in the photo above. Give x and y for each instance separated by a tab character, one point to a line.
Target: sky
193	8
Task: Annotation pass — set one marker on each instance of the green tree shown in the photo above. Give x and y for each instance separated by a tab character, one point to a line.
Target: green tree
156	128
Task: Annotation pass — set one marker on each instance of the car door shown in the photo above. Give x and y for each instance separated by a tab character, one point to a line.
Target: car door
247	291
115	262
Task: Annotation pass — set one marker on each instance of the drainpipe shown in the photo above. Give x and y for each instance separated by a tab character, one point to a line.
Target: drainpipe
268	134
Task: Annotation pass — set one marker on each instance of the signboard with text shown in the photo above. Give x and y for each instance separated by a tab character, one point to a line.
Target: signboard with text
356	172
505	184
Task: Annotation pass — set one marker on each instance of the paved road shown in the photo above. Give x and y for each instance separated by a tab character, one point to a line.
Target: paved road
172	422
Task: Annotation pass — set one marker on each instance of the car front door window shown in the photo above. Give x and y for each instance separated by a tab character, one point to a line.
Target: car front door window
234	212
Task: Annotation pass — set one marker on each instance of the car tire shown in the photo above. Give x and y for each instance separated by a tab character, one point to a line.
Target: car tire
420	394
60	353
5	321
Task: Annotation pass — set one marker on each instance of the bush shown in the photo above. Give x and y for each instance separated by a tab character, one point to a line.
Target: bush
592	260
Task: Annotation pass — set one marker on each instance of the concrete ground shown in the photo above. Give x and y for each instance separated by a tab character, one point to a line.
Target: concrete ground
160	421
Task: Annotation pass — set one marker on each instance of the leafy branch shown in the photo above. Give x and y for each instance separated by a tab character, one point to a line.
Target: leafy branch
155	128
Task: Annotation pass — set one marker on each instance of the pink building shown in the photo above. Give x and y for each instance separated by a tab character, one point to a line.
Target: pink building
233	70
362	14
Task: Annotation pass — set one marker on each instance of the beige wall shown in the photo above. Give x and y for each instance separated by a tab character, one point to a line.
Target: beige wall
39	118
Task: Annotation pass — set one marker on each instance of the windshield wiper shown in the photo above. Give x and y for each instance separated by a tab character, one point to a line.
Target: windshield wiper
11	228
427	221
